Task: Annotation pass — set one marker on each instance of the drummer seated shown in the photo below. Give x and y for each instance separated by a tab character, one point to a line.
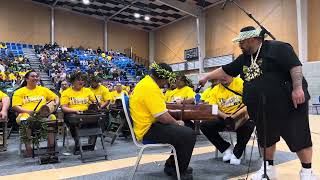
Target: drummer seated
29	98
182	94
76	100
5	103
228	103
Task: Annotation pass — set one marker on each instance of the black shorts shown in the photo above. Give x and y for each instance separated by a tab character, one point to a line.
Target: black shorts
289	123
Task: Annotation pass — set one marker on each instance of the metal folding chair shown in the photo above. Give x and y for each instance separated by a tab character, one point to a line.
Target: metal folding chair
142	146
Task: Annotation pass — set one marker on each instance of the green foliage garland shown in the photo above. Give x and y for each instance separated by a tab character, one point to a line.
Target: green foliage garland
38	127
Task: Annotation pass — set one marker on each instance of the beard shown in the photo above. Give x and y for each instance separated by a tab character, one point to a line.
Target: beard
245	51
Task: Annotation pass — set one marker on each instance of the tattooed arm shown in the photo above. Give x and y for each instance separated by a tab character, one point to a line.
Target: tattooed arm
297	92
296	76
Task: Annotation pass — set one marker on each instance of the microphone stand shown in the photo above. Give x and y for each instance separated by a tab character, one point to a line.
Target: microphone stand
263	97
263	29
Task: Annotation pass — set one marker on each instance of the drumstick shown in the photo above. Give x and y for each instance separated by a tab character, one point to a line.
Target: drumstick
97	101
37	105
198	89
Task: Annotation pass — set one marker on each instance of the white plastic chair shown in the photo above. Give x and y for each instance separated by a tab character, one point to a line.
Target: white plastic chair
140	145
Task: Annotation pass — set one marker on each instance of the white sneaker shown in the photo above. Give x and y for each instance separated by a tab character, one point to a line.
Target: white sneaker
227	154
271	172
307	174
234	160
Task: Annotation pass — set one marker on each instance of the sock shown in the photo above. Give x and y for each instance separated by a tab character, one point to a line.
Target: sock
306	165
270	162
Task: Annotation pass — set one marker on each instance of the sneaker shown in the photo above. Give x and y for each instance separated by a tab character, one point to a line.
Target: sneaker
307	174
234	160
271	172
227	154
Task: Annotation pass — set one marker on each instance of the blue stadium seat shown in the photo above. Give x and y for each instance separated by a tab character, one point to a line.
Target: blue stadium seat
30	46
24	46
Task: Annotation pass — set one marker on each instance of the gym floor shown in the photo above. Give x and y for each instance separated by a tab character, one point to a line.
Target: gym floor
122	155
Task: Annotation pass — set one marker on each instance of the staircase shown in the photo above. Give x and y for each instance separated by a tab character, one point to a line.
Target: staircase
35	64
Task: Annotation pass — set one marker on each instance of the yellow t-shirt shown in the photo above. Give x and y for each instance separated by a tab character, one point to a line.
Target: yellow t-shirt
78	100
205	96
227	101
2	95
168	95
126	88
146	103
114	95
103	55
102	94
183	93
3	46
22	74
28	99
12	77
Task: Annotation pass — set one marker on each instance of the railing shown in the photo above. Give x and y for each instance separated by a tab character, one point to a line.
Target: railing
137	59
207	63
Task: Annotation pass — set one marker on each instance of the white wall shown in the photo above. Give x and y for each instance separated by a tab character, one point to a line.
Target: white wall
311	71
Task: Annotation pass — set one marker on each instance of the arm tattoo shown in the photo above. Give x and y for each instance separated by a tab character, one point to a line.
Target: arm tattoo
296	76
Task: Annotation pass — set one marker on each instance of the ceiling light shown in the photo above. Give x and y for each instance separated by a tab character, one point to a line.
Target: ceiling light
136	15
86	2
147	18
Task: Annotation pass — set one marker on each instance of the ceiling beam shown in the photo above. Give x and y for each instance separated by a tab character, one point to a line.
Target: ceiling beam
187	8
55	3
124	8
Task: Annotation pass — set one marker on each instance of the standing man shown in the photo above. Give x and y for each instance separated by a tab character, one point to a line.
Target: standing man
272	75
152	122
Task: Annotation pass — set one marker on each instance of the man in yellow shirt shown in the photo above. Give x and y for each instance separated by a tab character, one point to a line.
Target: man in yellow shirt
116	94
228	103
153	123
101	93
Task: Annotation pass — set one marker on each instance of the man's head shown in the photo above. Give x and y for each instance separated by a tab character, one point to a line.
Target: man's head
94	82
119	87
183	81
161	73
64	85
249	39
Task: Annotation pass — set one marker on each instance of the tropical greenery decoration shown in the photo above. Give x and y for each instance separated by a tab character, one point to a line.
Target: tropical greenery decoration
35	124
165	74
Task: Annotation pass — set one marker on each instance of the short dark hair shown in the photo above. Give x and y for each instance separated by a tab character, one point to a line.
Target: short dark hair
77	76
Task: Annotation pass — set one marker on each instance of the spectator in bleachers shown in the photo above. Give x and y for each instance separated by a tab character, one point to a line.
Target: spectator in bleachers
3	45
2	66
99	50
